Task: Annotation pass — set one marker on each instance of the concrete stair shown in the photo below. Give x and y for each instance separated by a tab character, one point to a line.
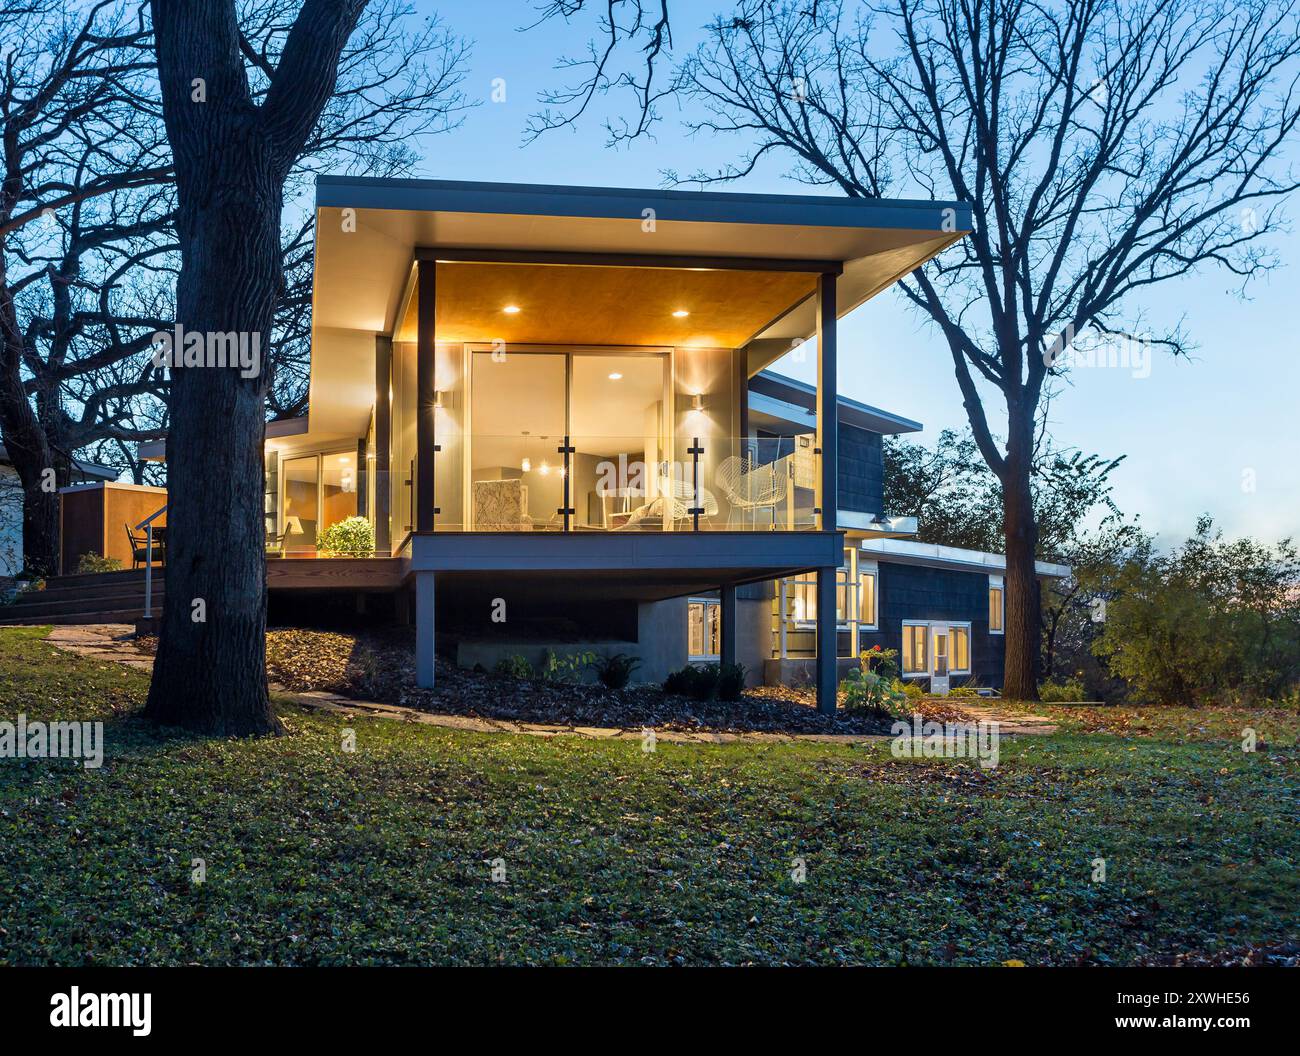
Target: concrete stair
103	597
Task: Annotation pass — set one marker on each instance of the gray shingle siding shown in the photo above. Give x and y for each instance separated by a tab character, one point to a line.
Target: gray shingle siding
862	476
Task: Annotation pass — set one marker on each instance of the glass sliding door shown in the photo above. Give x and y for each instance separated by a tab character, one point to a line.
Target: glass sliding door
621	476
319	490
518	416
301	505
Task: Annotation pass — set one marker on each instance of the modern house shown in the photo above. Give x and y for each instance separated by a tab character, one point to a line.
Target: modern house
550	404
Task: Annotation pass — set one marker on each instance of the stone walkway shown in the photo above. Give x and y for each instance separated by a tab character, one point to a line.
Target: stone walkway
115	642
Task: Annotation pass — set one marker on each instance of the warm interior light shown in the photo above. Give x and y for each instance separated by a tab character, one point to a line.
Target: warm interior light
615	376
681	313
697	402
527	466
511	309
545	468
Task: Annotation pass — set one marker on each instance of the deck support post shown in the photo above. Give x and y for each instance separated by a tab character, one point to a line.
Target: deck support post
727	628
426	397
827	642
424	629
828	491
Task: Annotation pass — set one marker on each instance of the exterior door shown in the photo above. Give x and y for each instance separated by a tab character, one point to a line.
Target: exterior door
939	660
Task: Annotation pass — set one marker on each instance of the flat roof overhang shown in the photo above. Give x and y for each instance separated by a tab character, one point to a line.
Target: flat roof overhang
363	259
643	566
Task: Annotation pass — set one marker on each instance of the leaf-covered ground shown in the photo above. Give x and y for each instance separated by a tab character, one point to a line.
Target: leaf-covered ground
385	854
1271	725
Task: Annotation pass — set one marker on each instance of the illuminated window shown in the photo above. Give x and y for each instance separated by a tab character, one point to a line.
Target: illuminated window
960	650
704	629
915	639
995	605
867	599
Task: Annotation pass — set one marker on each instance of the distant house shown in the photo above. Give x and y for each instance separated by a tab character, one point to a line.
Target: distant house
11	507
552	406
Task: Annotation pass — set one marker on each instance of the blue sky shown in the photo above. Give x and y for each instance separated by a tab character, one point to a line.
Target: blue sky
1219	434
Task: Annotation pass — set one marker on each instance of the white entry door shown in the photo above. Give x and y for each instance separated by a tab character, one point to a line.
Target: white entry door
940	643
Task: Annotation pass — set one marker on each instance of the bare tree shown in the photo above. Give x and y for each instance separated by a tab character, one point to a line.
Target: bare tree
617	28
1104	145
241	112
74	129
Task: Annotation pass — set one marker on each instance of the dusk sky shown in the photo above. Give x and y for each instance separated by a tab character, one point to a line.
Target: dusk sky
1219	434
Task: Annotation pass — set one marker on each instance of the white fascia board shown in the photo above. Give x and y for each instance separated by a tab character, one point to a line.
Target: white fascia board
909	551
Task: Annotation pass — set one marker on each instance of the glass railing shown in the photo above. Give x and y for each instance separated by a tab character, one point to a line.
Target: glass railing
632	483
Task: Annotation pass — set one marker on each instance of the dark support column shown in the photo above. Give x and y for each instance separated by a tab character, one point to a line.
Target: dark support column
827	647
828	441
727	610
362	478
425	396
827	411
424	629
383	440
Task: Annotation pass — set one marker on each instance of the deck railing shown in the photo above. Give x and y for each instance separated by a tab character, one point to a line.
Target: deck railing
147	526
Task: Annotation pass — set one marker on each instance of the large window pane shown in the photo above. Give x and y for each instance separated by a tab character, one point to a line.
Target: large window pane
301	512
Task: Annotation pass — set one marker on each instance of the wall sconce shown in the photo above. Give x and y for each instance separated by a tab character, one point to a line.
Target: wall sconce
442	400
697	402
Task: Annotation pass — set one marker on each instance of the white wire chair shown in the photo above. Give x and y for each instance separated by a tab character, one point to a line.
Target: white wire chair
749	488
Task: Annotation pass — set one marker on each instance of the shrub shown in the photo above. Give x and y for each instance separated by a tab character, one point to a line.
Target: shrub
883	662
699	681
350	537
567	668
910	689
867	691
513	666
91	562
615	671
1067	692
731	681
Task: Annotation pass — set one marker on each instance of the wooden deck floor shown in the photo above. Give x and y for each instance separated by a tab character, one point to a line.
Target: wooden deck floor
336	573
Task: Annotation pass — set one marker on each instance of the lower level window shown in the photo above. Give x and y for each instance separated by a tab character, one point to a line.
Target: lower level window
915	659
704	629
960	650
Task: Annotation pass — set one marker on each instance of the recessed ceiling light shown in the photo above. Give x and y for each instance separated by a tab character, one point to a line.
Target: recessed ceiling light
615	376
511	309
681	313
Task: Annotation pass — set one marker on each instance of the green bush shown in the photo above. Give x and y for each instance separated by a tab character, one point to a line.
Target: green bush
513	666
566	668
615	671
707	681
91	563
731	681
878	661
350	537
866	691
1068	691
910	689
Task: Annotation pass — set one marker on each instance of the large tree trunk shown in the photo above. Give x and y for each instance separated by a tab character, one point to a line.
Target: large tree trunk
210	672
1022	635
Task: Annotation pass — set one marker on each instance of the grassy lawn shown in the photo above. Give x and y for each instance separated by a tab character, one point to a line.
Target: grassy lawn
383	855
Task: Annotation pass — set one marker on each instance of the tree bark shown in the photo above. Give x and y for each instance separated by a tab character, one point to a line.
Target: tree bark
231	159
1021	630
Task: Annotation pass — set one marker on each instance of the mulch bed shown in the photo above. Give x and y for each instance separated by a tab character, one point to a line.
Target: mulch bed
381	667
